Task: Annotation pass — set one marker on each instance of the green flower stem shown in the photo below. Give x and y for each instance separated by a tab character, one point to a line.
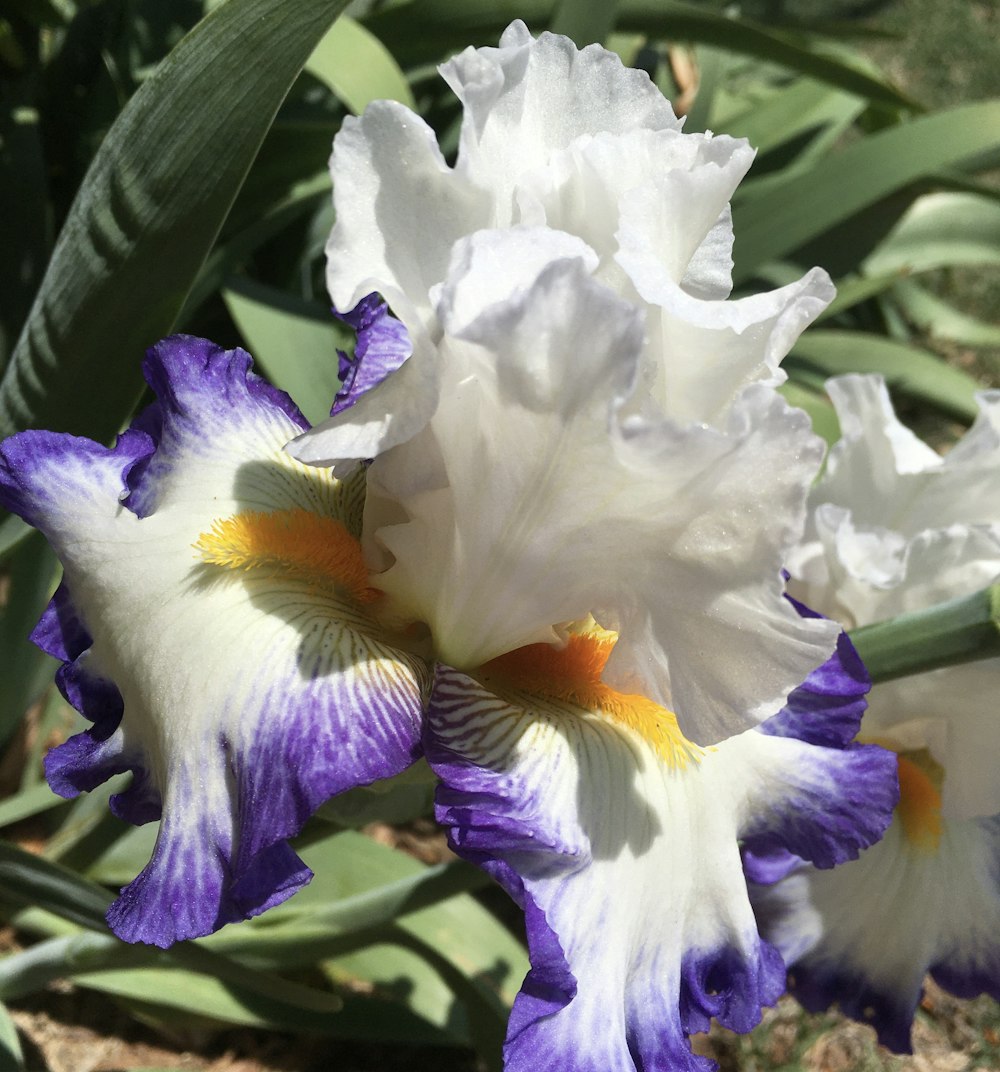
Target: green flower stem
960	631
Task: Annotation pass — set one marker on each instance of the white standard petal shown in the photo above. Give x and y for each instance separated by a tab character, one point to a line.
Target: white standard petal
887	477
528	505
400	208
530	98
673	192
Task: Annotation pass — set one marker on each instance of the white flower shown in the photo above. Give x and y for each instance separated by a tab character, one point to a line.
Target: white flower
894	527
585	426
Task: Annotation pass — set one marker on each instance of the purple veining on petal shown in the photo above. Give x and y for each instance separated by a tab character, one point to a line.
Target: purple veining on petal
26	455
338	712
834	798
965	981
766	868
195	378
843	802
61	633
307	746
826	711
819	977
94	696
383	345
139	498
187	889
498	820
486	816
85	761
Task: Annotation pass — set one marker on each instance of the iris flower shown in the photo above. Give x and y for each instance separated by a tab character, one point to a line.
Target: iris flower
583	483
216	625
894	527
582	489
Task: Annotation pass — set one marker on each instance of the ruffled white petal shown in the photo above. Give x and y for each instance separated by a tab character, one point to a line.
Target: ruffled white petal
559	510
529	98
889	478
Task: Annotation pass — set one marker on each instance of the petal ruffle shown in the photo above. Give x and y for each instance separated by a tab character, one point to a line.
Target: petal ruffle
890	479
529	98
382	347
241	695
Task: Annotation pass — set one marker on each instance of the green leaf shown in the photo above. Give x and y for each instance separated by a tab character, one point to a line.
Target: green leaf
148	211
30	880
584	21
959	631
424	30
33	801
354	64
940	319
804	106
815	403
13	532
26	670
11	1055
366	901
774	222
204	998
294	342
907	369
224	260
938	231
23	183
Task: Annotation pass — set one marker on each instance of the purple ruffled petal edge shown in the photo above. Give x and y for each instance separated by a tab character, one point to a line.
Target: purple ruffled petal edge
826	711
481	811
199	386
382	346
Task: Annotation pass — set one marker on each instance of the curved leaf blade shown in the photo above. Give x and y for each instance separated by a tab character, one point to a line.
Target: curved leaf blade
907	369
354	64
783	216
148	211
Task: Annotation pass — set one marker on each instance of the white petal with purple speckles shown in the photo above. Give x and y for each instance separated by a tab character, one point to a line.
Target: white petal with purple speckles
622	845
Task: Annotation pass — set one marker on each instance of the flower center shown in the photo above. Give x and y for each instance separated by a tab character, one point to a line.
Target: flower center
919	808
296	541
571	676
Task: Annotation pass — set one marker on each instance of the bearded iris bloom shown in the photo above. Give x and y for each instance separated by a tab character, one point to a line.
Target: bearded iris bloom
584	484
582	488
216	625
894	527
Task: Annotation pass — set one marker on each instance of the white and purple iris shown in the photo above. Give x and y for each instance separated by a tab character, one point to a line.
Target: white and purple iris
582	487
215	622
895	527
